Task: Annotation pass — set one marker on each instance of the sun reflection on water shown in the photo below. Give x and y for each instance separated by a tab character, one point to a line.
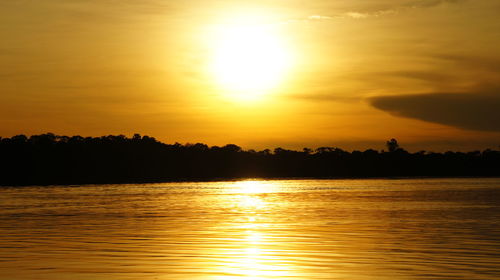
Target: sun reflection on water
251	202
253	187
268	230
252	260
251	256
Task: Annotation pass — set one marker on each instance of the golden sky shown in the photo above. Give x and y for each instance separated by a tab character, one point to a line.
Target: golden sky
260	74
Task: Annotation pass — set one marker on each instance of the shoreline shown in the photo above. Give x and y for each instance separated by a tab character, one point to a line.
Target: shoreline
246	179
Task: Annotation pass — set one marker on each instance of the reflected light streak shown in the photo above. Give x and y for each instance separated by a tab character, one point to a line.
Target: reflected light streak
251	202
253	187
251	256
253	262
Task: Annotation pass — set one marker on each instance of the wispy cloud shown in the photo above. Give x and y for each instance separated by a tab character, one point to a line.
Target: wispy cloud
363	15
378	10
473	107
467	61
431	3
318	17
386	10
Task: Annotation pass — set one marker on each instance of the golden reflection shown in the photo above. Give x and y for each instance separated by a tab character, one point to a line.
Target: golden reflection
251	202
253	261
251	256
253	187
254	237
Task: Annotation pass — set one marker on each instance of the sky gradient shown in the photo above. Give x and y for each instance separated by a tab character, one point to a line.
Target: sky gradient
357	72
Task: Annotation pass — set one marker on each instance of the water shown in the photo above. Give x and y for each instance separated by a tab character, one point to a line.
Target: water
297	229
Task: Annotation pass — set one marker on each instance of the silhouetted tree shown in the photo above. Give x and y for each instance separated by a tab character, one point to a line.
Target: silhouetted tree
52	159
232	148
392	145
136	137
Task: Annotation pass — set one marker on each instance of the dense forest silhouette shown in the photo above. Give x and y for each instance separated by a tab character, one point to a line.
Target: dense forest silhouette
51	159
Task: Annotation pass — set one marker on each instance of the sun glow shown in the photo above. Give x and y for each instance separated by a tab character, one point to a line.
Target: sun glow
249	60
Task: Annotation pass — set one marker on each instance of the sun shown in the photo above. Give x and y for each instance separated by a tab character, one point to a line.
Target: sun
249	60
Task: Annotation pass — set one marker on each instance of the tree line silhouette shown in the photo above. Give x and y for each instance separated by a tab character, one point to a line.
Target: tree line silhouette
51	159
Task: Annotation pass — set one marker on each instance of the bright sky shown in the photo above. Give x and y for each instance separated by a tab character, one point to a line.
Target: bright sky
259	74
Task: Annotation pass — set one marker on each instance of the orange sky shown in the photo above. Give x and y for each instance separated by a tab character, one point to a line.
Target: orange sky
259	74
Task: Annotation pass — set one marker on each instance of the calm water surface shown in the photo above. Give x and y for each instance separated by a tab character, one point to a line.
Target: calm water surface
297	229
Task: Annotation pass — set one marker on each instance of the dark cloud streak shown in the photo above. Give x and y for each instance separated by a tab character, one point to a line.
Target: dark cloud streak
472	111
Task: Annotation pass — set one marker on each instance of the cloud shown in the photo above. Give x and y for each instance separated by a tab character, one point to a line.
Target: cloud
343	98
363	15
357	15
318	17
382	8
390	9
483	63
427	76
472	111
432	3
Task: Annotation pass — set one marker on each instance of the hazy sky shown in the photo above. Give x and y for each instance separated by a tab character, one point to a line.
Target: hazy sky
259	74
